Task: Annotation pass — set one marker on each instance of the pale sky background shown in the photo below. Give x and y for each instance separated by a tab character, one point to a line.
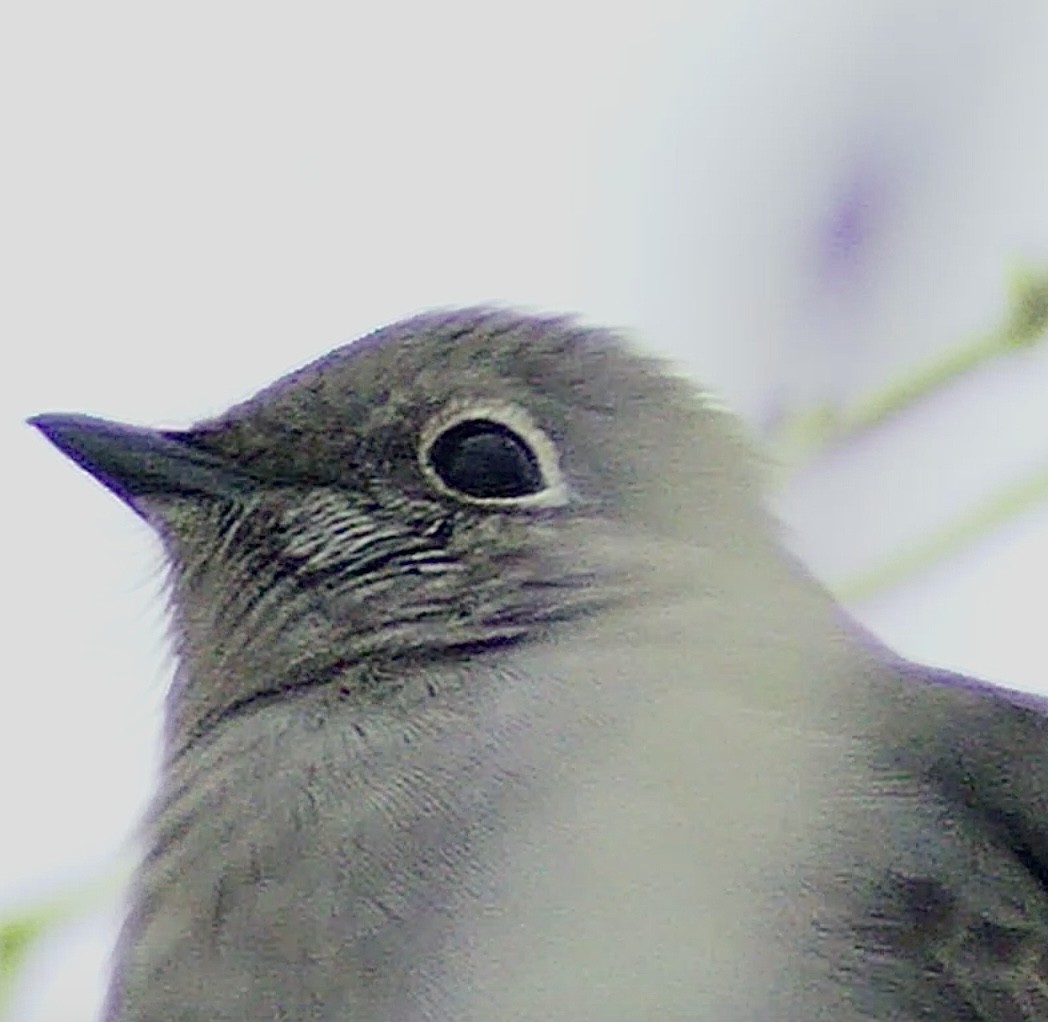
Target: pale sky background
796	200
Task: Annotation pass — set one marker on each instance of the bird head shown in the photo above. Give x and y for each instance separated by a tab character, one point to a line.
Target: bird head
454	482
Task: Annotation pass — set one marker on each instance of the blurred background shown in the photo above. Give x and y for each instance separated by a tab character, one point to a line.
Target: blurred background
801	203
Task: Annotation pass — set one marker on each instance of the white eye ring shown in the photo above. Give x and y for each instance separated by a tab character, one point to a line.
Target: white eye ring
516	421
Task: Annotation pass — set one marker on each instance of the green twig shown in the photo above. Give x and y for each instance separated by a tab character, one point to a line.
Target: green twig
20	932
801	438
1001	507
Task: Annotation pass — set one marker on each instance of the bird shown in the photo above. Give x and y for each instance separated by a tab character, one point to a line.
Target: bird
500	696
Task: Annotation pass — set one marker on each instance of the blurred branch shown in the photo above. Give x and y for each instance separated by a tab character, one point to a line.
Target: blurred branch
1002	507
21	931
804	436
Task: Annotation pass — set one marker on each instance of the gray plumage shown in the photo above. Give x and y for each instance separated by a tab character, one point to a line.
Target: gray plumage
498	698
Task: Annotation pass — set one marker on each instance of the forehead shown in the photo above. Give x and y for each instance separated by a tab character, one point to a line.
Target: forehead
412	368
622	426
390	383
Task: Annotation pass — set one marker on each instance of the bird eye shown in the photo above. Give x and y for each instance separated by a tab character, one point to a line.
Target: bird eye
494	455
485	459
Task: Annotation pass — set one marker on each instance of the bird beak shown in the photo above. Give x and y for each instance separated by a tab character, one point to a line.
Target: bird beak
136	463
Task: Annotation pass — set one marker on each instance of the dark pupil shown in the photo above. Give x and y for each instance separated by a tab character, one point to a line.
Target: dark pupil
482	458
